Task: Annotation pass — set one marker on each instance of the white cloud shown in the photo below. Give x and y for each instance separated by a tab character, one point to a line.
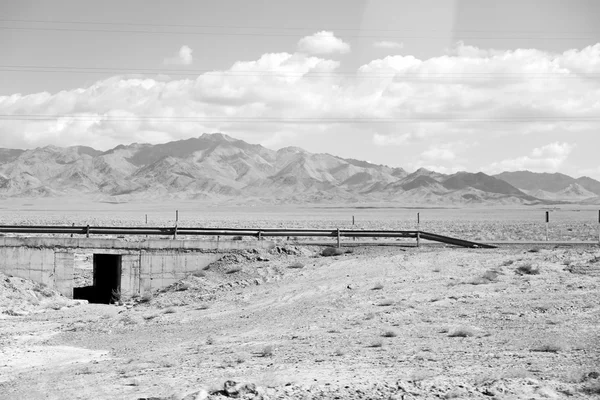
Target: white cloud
184	57
438	154
442	99
388	140
386	44
548	158
323	42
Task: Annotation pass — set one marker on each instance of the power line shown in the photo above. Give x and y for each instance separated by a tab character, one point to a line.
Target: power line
262	34
308	74
284	28
303	120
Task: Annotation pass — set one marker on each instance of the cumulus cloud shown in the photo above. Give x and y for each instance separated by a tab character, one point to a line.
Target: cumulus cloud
387	44
438	154
410	100
548	158
323	42
183	57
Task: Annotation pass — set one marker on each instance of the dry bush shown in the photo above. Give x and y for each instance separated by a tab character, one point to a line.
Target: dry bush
266	351
296	265
462	331
488	276
549	347
43	290
146	298
376	344
181	287
507	263
203	307
170	310
149	317
333	331
332	251
389	334
128	320
592	388
385	303
233	270
534	250
527	269
436	269
378	286
339	353
210	340
199	274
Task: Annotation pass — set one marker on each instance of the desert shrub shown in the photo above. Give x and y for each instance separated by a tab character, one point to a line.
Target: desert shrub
203	307
296	265
378	286
527	269
237	238
233	270
385	303
210	340
534	250
115	296
462	331
376	344
592	388
389	334
267	351
182	287
128	320
146	298
43	290
507	263
339	352
199	274
436	269
170	310
487	277
332	251
550	347
149	317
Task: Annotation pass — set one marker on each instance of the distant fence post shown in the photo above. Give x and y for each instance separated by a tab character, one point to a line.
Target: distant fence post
547	223
354	238
598	226
176	223
338	238
418	229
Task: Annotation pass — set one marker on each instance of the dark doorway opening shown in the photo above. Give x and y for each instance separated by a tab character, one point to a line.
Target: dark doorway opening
106	287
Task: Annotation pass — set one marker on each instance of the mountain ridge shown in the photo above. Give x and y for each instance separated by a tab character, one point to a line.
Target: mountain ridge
219	167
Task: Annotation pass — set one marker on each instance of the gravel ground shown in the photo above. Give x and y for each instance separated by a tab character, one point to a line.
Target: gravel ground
376	323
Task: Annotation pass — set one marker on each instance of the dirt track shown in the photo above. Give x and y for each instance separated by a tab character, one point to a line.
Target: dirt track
380	322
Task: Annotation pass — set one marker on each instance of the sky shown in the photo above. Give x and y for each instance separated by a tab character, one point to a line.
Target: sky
448	85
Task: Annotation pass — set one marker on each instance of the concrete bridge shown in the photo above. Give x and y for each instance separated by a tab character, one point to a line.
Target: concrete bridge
129	267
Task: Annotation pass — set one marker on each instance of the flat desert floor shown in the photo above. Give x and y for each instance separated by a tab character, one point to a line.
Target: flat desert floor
376	323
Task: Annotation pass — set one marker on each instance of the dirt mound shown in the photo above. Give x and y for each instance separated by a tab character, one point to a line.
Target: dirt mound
20	297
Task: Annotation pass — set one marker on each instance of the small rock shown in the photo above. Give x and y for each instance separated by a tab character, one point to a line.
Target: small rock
547	392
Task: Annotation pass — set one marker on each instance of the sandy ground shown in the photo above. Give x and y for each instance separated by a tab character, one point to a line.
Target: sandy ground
381	322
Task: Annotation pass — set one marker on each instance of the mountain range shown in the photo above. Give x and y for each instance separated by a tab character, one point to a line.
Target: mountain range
219	168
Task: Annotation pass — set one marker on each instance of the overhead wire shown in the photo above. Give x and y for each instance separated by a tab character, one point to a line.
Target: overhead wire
307	74
300	120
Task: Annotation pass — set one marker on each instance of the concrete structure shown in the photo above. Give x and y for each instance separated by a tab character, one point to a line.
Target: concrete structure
130	267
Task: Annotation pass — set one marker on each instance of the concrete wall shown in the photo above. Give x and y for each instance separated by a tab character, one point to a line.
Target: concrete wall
41	265
145	266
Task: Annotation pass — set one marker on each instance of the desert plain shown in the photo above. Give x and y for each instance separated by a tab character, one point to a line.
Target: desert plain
375	322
